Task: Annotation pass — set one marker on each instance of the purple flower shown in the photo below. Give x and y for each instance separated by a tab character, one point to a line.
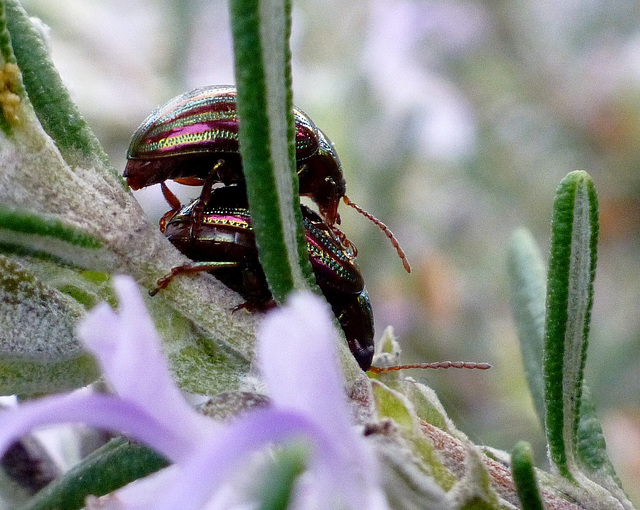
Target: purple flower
297	358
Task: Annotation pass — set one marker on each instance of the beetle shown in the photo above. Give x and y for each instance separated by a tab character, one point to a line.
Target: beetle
193	139
224	245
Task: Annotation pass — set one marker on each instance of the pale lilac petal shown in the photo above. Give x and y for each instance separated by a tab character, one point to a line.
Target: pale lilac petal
297	355
298	359
127	347
350	470
100	411
204	474
338	476
297	346
145	493
315	492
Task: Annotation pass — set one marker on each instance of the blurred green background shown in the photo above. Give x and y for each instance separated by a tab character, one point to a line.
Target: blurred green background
455	121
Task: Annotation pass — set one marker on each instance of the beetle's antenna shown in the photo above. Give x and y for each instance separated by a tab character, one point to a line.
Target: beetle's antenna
384	228
438	364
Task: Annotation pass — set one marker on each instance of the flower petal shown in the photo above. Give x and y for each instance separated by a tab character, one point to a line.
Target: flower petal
335	477
128	349
298	357
100	411
297	353
297	346
204	474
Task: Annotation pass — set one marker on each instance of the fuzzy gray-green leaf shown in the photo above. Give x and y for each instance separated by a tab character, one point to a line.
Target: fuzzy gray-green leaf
39	351
569	300
66	205
25	233
527	278
524	477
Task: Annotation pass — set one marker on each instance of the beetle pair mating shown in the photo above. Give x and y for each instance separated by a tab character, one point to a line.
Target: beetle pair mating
193	139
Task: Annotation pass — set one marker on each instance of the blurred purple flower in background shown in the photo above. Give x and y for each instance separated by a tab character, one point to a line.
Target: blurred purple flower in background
297	357
402	46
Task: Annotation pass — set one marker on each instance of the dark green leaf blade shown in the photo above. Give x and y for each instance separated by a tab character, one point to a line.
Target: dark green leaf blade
116	464
569	301
262	57
524	477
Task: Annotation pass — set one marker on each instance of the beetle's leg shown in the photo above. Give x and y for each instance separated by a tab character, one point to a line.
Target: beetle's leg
258	303
173	201
190	181
253	306
197	213
194	267
341	237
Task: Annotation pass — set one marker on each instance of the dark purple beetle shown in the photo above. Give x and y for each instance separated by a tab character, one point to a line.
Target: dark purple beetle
194	138
224	244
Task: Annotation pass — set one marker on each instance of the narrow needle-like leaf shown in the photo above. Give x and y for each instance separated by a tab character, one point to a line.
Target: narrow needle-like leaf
266	131
524	477
56	112
569	301
528	294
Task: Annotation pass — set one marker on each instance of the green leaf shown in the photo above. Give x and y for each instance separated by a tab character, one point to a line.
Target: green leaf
39	351
56	112
592	450
116	464
392	404
64	204
26	233
261	32
524	477
591	444
6	50
474	491
569	301
527	279
275	491
526	271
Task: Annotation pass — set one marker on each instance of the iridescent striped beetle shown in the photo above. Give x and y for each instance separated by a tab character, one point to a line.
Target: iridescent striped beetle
224	246
193	139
